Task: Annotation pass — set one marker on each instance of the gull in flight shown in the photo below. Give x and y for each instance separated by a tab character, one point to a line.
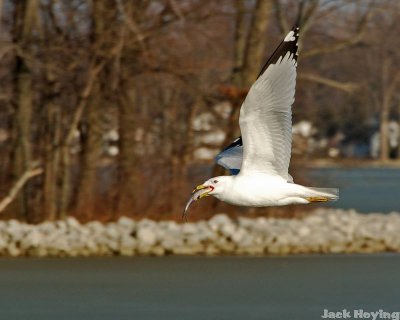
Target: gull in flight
259	159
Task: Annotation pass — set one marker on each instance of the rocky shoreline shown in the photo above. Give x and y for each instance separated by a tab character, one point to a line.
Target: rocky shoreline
324	231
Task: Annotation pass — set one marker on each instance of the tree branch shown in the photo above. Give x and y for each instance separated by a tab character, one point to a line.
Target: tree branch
307	17
282	22
241	36
176	9
132	26
23	179
342	44
348	87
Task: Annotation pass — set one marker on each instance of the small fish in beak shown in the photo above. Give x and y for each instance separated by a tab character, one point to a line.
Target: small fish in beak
197	193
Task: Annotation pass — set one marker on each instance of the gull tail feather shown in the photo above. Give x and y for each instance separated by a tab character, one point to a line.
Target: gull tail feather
331	193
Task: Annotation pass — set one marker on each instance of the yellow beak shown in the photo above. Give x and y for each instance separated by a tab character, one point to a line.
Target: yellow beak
201	187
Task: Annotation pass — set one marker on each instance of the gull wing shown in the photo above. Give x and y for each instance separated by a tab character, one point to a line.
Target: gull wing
231	157
273	94
266	115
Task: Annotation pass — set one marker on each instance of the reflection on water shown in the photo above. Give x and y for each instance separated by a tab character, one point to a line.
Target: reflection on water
363	189
196	287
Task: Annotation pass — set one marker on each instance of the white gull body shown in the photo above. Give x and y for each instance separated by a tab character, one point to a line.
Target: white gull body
262	153
259	190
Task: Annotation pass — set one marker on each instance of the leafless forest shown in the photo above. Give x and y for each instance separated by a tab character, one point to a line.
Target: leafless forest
117	106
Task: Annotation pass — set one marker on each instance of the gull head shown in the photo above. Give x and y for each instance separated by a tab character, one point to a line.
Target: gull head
212	187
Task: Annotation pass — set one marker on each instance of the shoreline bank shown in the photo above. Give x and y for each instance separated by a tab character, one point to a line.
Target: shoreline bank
324	231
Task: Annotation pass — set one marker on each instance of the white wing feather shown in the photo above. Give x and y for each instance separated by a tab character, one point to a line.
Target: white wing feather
266	120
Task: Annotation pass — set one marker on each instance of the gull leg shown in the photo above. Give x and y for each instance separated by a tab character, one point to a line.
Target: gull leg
317	199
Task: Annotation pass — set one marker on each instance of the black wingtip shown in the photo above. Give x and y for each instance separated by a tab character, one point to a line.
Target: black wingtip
236	143
289	44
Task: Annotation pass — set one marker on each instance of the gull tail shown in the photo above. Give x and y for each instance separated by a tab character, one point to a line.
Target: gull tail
323	194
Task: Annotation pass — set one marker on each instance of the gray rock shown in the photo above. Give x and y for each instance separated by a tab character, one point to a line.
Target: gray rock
218	221
72	223
31	239
112	232
127	246
146	236
325	231
126	223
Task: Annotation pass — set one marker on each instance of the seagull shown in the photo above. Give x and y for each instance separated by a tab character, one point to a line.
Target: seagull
259	159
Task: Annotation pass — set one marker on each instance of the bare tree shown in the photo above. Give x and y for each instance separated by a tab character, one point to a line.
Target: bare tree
152	71
25	21
103	16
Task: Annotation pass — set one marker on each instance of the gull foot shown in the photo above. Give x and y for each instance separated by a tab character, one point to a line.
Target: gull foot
317	199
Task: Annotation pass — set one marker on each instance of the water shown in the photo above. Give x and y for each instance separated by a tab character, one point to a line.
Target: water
196	288
364	189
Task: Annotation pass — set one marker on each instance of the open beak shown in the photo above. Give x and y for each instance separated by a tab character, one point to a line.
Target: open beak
197	193
201	187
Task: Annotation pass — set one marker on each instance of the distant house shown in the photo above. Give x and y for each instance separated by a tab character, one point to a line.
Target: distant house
393	141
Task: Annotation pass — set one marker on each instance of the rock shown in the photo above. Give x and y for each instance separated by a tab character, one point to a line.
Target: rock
91	245
228	229
3	243
126	224
246	223
211	250
32	239
95	227
146	236
12	250
218	221
169	242
112	232
189	228
205	234
113	244
128	242
193	240
239	235
303	231
158	251
146	223
48	227
225	246
184	250
253	250
326	231
143	249
72	223
170	225
127	246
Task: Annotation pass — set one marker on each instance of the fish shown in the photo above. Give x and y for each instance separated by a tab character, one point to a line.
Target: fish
198	193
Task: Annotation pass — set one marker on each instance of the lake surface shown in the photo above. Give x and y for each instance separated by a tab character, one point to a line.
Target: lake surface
364	189
197	288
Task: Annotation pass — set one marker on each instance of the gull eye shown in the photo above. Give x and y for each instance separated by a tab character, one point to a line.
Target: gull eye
215	181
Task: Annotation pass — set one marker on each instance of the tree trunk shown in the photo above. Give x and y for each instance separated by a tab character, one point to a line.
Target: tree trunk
384	131
91	150
52	162
254	54
23	151
103	11
24	20
127	196
389	86
130	194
